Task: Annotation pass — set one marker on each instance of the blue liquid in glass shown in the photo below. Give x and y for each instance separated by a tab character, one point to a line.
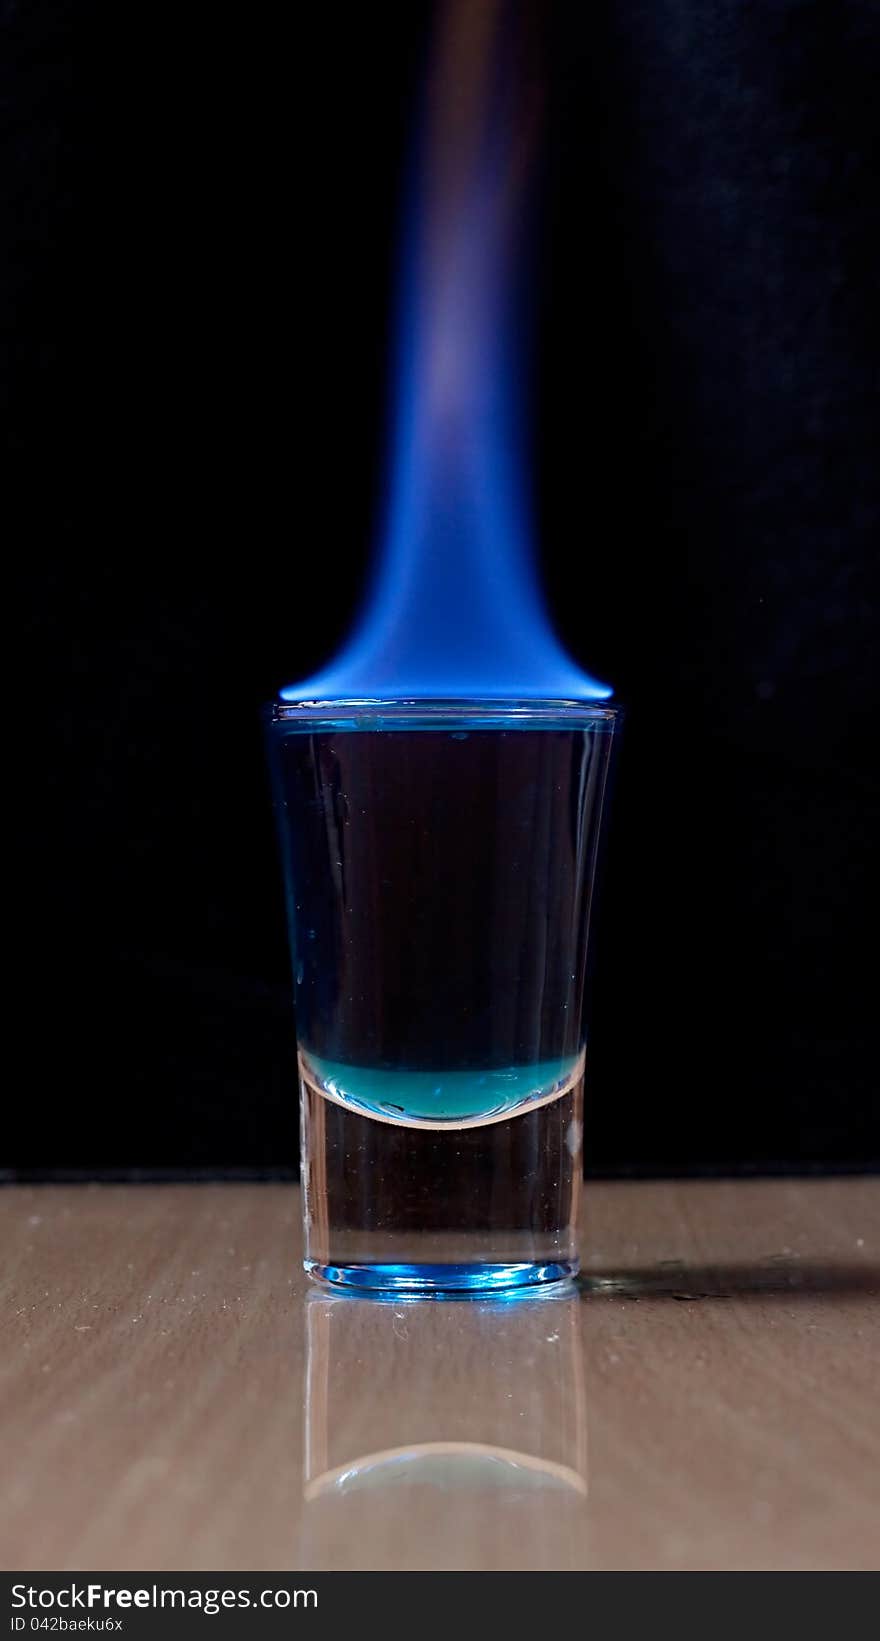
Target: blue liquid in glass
447	1098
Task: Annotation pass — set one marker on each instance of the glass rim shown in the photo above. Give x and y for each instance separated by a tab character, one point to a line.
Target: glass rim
366	713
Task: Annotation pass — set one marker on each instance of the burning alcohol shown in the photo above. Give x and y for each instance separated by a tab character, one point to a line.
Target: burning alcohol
439	785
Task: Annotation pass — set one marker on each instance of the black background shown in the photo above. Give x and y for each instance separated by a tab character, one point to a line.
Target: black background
199	215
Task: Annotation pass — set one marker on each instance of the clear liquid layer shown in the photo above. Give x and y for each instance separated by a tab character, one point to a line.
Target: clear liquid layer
434	1207
438	890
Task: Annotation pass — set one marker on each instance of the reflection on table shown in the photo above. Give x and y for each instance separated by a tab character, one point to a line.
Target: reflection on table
422	1420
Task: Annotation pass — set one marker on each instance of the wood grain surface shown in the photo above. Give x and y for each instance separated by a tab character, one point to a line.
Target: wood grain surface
175	1396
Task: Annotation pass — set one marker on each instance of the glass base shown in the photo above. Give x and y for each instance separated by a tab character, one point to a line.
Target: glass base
442	1281
440	1206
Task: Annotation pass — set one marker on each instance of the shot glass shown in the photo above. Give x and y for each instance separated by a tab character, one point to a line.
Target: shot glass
439	860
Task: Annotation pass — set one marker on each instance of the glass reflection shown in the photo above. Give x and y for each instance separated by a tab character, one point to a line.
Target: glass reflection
444	1436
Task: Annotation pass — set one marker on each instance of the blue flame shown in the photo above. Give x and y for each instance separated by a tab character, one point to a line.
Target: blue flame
455	608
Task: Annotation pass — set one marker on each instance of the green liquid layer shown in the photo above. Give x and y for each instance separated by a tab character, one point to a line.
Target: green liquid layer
440	1096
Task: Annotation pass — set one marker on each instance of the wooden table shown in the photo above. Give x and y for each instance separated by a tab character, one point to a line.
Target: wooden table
177	1398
